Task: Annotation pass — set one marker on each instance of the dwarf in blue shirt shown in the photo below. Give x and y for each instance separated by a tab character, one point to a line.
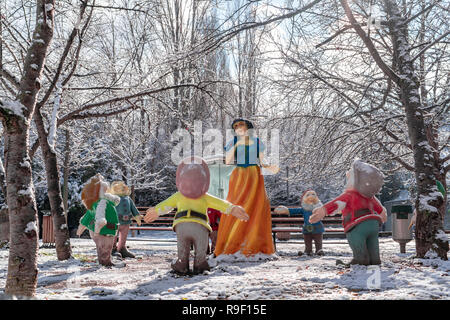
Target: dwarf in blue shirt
126	210
311	231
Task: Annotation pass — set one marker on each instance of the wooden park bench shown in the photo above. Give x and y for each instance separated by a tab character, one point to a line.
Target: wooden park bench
281	224
163	223
284	225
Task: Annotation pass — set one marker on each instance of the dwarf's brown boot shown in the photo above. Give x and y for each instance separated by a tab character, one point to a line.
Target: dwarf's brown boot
203	266
180	267
125	253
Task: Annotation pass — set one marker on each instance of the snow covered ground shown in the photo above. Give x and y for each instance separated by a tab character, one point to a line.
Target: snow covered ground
281	276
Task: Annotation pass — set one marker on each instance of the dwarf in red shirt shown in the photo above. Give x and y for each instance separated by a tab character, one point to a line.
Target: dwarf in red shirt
214	219
362	213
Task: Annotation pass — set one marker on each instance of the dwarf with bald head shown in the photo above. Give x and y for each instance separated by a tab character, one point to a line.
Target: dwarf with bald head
191	221
362	212
311	231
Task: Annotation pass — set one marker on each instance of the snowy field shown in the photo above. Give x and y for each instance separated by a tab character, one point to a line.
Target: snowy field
281	276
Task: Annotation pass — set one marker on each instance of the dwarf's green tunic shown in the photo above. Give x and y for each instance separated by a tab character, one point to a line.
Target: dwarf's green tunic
88	220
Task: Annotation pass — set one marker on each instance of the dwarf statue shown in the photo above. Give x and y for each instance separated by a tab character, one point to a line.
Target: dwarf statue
214	220
101	217
126	210
311	231
191	221
362	213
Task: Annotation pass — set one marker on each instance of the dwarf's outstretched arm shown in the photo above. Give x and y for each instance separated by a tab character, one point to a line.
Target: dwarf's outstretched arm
317	214
239	212
151	215
226	207
161	208
271	167
413	219
332	207
80	230
135	213
383	215
281	210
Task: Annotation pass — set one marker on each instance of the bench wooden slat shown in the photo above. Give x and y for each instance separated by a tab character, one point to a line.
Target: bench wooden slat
152	228
298	229
163	222
301	220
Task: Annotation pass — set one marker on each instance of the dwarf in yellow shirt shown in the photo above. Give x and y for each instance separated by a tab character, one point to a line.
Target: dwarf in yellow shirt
191	221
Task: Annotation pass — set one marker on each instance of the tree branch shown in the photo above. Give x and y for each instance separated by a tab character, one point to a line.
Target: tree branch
62	59
216	40
10	77
82	113
397	158
421	12
430	45
345	28
116	8
70	115
370	46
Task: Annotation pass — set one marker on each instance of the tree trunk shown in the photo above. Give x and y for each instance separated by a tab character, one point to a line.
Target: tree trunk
62	236
4	226
429	200
66	173
430	235
22	264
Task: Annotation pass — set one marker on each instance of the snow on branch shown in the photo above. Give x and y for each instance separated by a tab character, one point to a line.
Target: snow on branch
215	40
81	112
425	199
10	77
51	139
12	107
369	44
430	45
31	226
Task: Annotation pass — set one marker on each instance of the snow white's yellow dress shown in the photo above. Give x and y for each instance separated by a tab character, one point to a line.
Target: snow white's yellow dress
246	188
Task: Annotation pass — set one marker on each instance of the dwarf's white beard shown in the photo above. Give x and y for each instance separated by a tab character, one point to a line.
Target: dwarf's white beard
350	180
311	207
103	188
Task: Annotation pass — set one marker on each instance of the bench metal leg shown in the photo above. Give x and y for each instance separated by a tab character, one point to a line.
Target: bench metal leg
274	241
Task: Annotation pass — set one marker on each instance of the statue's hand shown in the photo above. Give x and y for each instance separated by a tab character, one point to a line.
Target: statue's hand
151	215
317	215
239	213
281	210
80	230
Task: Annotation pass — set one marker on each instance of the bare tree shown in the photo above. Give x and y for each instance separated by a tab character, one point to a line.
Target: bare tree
427	167
379	90
47	140
16	117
